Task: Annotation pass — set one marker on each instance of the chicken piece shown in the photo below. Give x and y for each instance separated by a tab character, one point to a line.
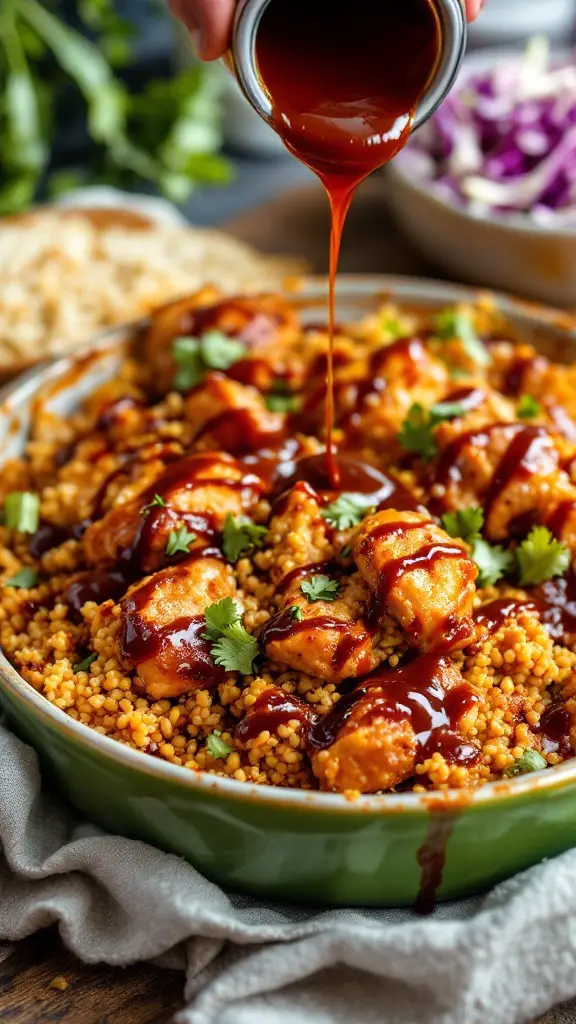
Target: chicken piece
528	485
198	491
372	400
374	737
263	323
511	469
418	574
162	623
329	641
228	415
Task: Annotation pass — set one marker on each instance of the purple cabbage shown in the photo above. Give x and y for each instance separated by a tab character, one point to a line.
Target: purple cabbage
504	141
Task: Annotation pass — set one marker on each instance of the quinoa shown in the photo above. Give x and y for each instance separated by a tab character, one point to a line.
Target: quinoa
105	474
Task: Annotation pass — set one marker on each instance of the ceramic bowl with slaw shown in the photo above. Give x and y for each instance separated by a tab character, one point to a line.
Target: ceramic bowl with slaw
487	189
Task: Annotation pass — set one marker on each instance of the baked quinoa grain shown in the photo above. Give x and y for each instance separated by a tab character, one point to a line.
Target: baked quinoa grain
182	572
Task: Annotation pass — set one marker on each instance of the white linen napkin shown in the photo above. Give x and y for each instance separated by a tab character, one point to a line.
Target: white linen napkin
501	959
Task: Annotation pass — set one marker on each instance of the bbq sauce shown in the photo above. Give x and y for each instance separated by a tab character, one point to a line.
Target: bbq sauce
384	489
423	558
344	94
420	693
417	692
178	648
352	643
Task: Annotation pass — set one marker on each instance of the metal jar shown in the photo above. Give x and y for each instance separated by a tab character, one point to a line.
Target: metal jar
453	35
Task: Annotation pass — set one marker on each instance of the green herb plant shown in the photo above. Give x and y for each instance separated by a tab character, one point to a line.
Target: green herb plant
166	134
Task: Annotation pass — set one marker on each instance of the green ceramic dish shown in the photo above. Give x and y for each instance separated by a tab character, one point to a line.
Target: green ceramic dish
293	845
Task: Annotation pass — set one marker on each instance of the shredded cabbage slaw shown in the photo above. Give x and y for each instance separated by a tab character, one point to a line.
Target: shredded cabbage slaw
504	141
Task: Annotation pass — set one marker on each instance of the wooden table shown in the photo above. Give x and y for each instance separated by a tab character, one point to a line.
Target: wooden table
297	223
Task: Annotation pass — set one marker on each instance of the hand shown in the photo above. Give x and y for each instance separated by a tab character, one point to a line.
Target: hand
210	22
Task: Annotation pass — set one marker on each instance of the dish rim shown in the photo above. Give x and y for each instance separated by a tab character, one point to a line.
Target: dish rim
360	285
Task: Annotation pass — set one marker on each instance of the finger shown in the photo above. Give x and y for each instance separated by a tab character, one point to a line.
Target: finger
473	8
214	21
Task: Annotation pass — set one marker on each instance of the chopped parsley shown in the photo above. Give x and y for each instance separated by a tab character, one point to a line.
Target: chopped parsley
241	536
348	510
416	435
232	647
22	511
218	747
540	557
531	761
194	357
157	502
465	523
83	666
456	323
493	562
346	551
320	588
24	579
528	407
295	613
179	541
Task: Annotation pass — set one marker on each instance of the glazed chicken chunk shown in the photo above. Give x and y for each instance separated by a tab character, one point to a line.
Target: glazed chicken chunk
375	737
198	492
418	574
513	470
264	324
324	639
162	625
212	410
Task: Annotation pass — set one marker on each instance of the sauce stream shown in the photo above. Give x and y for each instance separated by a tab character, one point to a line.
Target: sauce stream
344	94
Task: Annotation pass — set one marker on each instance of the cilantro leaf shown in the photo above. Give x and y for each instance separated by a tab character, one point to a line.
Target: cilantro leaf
447	411
465	523
348	510
83	666
241	536
282	403
179	541
528	407
188	358
157	502
219	352
281	399
456	323
540	557
416	435
24	579
531	761
232	646
295	612
218	747
236	651
219	616
392	327
22	511
214	350
320	588
492	561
